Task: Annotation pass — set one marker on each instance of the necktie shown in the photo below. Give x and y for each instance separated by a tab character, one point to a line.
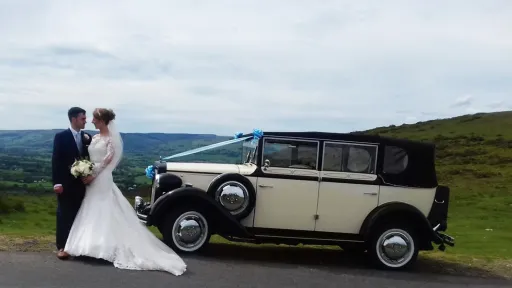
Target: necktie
78	142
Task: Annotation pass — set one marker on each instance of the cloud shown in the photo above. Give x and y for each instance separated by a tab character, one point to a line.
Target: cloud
497	105
224	66
463	101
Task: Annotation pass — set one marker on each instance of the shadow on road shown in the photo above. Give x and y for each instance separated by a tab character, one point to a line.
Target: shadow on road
331	259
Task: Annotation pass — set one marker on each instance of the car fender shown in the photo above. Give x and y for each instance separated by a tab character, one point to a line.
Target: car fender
398	211
169	181
222	221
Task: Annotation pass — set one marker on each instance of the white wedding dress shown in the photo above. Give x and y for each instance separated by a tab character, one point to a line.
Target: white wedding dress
106	226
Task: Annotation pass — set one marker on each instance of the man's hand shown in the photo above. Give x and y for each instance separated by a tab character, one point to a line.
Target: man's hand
58	189
87	180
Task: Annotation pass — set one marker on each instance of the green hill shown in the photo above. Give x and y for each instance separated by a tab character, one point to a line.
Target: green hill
474	158
25	156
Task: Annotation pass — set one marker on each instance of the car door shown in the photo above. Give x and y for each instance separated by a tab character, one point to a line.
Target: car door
348	189
287	189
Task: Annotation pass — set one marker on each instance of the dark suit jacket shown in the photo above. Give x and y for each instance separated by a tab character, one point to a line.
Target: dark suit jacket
65	152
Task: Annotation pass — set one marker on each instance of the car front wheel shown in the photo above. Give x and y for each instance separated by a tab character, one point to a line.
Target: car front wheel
393	247
186	230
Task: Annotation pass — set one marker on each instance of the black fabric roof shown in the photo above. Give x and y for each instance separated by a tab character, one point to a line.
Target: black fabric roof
353	137
420	172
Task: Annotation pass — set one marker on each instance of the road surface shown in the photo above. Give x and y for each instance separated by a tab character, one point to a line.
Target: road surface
230	267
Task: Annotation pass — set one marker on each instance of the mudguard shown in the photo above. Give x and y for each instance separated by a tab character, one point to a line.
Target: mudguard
168	182
222	221
401	211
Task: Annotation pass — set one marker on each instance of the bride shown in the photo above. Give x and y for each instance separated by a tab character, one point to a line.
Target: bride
106	226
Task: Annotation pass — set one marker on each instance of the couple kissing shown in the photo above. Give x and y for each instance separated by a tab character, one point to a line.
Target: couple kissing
94	218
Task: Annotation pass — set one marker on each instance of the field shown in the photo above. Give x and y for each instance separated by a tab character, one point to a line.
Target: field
474	153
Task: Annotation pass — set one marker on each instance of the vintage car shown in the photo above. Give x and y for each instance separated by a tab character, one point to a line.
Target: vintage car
360	192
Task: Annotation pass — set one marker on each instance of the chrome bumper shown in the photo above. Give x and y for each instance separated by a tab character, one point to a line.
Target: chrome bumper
443	239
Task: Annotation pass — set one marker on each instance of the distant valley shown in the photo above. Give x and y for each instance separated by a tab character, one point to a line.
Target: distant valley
25	157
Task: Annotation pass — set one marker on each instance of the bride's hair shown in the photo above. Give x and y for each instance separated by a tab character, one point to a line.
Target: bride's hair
104	114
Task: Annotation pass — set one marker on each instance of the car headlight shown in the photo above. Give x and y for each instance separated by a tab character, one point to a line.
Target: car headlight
138	202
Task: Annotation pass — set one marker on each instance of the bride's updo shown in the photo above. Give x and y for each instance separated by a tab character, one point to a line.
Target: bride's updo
105	115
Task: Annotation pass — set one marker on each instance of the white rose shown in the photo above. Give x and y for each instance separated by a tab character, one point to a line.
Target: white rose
74	172
83	166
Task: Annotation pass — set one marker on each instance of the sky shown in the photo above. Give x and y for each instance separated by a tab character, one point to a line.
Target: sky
223	66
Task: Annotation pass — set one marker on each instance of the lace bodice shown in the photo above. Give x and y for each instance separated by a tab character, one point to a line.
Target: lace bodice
101	151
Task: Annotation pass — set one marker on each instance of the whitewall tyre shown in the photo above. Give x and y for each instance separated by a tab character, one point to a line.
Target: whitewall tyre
186	231
394	247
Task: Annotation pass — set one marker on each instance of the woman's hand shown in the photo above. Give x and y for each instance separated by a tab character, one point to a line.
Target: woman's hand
88	179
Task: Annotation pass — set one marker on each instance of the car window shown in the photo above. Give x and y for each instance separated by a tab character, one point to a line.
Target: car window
297	154
343	157
395	160
359	160
333	157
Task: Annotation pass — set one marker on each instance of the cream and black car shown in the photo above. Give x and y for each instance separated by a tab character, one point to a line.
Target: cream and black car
361	192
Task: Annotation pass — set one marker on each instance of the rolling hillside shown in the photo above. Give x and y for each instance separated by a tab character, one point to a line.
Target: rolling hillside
474	158
40	141
25	157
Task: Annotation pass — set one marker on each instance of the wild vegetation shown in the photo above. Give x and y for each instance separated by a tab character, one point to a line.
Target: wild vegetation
473	155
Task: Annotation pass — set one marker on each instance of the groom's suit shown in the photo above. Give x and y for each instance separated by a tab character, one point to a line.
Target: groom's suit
68	146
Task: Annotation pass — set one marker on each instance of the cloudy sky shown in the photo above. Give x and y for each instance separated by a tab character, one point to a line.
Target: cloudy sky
223	66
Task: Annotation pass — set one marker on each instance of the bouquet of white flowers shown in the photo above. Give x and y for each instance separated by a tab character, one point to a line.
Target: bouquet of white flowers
82	168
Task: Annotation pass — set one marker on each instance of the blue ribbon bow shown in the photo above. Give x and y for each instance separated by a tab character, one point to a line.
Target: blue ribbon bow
150	171
256	134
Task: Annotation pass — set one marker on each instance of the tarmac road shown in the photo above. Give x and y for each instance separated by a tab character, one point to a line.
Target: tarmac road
227	266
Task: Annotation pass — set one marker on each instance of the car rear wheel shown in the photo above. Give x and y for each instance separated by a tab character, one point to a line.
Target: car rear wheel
393	246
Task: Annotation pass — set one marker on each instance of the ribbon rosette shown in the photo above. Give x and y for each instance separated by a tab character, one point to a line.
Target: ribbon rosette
150	171
257	134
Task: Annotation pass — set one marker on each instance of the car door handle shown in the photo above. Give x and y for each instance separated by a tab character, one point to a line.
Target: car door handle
265	186
370	193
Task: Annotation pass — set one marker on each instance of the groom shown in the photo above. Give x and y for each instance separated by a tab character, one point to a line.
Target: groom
68	145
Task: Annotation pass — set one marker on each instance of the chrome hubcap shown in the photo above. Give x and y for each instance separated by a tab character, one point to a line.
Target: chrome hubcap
233	196
395	247
190	231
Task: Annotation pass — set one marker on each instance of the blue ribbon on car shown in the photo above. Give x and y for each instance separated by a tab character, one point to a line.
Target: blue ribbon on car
150	171
256	135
